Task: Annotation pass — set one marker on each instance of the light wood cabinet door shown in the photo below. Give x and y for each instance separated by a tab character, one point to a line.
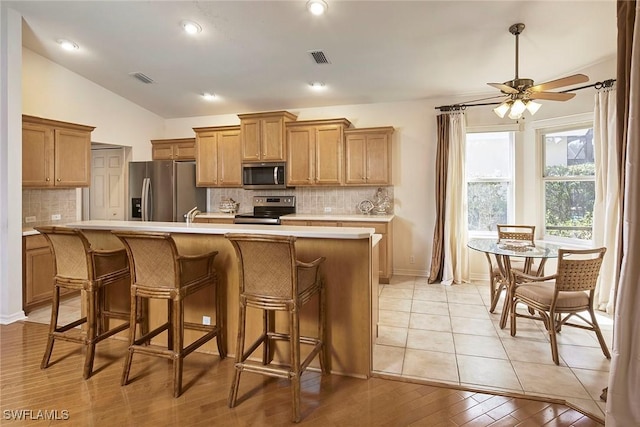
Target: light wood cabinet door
218	153
386	254
37	156
328	155
368	156
55	154
184	150
72	158
263	136
161	151
207	159
300	146
229	159
37	272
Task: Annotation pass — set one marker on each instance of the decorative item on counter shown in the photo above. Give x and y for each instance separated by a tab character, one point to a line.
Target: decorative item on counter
229	206
365	207
381	202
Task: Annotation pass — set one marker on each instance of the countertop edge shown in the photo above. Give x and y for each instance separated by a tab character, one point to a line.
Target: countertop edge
199	228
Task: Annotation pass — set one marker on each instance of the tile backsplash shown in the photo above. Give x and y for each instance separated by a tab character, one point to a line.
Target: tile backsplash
43	203
309	200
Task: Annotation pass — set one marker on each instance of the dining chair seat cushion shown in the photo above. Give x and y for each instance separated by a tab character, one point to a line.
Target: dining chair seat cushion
542	293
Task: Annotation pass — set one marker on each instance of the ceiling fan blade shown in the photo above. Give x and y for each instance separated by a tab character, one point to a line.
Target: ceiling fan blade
503	87
551	96
565	81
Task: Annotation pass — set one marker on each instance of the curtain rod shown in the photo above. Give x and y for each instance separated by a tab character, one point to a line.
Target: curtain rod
461	107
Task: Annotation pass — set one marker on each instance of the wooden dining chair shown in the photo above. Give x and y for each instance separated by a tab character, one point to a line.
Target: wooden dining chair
561	296
272	279
498	277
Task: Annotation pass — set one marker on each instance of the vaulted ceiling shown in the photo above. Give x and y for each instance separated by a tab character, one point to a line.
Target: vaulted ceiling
254	55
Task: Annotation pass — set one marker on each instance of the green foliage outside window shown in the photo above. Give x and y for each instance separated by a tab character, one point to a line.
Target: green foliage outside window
569	203
487	203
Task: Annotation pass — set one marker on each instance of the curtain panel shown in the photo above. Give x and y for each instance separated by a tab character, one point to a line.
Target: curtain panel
622	408
442	160
606	210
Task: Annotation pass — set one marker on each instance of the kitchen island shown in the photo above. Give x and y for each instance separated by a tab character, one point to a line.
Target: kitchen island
350	273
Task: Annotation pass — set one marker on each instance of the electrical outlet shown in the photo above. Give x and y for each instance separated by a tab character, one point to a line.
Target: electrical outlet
56	217
327	209
29	219
206	320
412	260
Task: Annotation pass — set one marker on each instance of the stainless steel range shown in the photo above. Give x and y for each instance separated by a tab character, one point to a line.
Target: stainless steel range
268	210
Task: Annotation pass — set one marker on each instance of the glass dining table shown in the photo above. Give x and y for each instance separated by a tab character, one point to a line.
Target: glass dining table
504	250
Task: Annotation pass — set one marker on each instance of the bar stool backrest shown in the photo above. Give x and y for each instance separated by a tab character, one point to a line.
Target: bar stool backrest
153	258
267	265
71	252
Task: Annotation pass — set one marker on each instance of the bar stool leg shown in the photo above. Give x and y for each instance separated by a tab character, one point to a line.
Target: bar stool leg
177	321
90	339
133	323
53	324
294	341
233	394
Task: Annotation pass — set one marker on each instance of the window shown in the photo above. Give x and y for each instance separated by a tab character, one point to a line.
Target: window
569	182
489	174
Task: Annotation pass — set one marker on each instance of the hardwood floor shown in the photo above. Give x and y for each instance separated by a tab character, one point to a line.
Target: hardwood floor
331	400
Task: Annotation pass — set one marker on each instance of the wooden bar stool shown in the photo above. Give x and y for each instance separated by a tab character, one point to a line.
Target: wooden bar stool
272	279
79	267
158	271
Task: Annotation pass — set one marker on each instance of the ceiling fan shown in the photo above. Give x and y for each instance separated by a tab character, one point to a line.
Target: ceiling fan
521	92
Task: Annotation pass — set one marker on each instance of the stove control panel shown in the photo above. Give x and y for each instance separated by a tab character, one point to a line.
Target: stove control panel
274	201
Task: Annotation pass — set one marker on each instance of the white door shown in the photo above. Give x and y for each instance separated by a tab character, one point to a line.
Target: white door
106	196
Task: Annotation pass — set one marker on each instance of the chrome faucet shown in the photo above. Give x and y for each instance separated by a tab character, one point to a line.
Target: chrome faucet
189	216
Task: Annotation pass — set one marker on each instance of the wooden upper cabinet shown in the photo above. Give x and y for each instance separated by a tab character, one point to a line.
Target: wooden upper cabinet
218	156
55	154
173	149
368	156
315	152
263	136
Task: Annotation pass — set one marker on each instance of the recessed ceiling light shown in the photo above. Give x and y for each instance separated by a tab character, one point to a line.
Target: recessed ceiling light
209	96
317	85
68	44
317	7
191	27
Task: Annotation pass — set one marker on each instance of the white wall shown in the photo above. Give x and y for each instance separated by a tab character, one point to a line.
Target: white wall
54	92
10	166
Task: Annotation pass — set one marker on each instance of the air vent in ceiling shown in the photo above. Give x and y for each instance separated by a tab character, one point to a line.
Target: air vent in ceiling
319	57
142	77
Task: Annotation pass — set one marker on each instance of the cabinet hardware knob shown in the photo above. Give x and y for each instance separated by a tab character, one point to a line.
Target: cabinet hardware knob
58	179
48	180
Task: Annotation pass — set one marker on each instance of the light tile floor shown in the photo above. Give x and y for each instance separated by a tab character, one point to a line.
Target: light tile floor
446	334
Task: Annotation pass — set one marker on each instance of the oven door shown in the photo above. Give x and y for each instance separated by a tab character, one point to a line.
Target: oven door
263	176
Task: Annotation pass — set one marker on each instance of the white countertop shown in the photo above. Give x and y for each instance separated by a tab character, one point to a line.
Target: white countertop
181	227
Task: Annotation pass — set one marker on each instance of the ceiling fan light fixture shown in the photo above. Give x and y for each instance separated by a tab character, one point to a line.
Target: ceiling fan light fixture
502	109
209	96
533	107
317	7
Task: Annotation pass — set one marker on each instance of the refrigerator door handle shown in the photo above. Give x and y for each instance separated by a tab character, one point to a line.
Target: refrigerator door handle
146	199
275	175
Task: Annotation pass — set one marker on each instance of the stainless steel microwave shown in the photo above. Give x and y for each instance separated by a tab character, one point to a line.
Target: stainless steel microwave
264	176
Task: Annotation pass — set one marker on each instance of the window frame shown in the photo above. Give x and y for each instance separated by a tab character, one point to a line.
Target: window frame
511	197
541	131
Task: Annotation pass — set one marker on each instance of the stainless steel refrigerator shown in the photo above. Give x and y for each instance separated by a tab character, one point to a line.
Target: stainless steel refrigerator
163	190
